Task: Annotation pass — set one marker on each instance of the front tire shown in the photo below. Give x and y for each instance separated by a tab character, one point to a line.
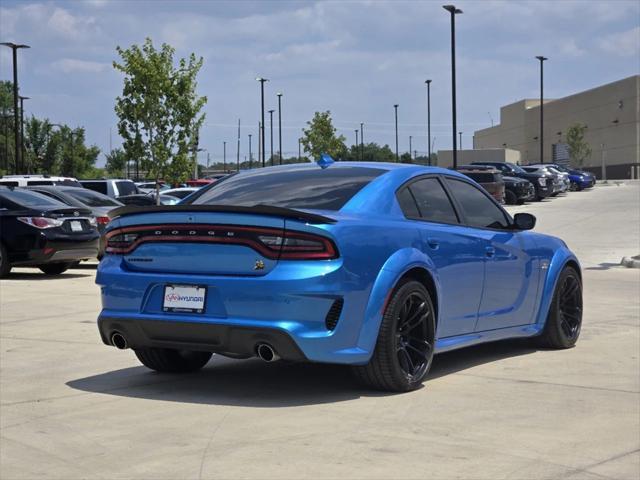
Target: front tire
167	360
565	313
404	349
510	198
54	268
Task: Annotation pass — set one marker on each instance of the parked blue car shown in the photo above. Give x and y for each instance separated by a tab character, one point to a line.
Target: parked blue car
373	265
579	178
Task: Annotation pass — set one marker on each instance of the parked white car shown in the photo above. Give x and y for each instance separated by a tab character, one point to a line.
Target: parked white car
37	180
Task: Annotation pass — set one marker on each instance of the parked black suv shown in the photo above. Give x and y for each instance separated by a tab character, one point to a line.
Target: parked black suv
542	183
518	190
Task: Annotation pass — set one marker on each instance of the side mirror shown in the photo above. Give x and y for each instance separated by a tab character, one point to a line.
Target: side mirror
524	221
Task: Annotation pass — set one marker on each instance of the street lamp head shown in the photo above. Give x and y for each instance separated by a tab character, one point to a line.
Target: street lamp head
452	9
260	79
541	58
23	98
279	94
396	106
271	111
427	82
14	45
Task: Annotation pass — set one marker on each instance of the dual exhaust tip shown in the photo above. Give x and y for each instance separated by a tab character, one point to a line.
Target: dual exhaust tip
264	351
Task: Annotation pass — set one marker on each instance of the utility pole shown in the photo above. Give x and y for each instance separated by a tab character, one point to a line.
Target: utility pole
271	128
250	163
453	11
396	110
279	94
224	157
410	145
361	141
542	59
357	144
428	82
16	134
238	149
262	80
299	151
22	99
260	132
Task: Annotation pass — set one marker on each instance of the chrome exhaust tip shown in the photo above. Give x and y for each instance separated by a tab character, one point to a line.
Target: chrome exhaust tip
118	341
266	353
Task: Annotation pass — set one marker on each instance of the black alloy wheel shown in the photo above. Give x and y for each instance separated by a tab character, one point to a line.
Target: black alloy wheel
404	350
564	321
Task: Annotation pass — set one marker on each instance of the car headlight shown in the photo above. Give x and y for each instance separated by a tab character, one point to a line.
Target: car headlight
542	181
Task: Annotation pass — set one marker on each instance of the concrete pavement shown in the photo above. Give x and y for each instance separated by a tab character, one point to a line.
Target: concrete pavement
71	407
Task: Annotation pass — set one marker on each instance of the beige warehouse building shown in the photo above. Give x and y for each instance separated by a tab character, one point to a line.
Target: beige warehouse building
611	113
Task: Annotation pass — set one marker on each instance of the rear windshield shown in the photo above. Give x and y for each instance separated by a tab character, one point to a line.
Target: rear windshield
91	198
27	199
100	187
481	177
319	189
126	188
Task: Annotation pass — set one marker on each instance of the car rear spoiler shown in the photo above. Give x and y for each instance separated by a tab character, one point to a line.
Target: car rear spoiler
256	209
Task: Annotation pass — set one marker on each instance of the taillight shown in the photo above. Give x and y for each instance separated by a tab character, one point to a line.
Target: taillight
269	242
41	222
102	220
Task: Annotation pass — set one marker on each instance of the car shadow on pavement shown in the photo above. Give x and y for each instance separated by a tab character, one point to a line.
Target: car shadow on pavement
37	275
604	266
253	383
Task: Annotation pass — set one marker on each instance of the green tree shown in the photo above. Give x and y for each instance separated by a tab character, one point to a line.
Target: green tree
320	137
579	149
7	141
159	110
37	136
116	162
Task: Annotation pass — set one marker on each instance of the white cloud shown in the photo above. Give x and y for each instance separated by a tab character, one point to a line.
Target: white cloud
624	44
73	65
70	26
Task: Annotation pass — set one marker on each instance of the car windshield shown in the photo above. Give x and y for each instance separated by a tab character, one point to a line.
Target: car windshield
91	198
518	168
312	188
27	199
126	187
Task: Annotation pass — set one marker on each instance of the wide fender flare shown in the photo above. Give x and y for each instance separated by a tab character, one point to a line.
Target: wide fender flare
560	259
396	266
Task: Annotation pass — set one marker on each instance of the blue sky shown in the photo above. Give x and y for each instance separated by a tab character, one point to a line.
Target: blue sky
356	59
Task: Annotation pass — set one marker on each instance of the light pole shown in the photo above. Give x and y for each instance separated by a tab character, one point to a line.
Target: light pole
410	145
396	111
357	144
250	165
271	128
279	95
542	59
16	134
299	150
460	134
428	82
453	11
262	80
224	156
22	99
362	141
238	149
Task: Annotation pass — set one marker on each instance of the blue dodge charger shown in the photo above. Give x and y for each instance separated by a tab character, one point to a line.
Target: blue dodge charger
373	265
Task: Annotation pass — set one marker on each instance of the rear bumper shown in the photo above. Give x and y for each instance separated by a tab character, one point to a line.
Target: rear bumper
224	339
48	251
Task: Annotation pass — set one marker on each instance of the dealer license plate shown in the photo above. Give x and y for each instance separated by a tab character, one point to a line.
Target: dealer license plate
184	298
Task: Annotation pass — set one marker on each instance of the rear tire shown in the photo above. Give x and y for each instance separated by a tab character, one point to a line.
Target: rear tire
404	349
564	321
54	268
5	266
510	198
172	361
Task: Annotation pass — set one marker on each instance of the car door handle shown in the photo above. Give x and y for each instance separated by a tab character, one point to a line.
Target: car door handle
490	252
433	243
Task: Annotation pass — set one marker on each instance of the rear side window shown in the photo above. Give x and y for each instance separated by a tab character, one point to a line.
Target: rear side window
100	187
407	203
311	188
35	183
91	198
432	201
126	188
27	199
479	210
8	184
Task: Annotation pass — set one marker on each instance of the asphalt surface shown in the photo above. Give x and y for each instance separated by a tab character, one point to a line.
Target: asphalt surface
74	408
